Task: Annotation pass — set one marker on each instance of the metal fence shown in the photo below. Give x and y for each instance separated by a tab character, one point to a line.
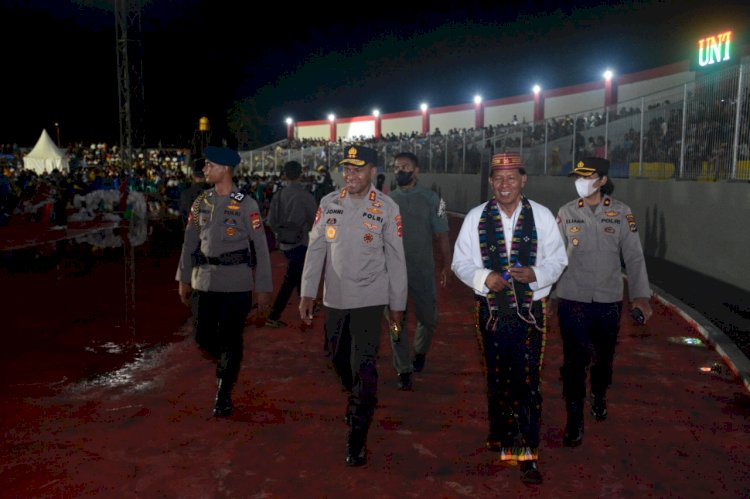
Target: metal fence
696	131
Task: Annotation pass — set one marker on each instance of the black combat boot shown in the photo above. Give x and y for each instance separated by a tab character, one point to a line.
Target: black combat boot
530	472
599	407
223	405
356	445
573	436
419	360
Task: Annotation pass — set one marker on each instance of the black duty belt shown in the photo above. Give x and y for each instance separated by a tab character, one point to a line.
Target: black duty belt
239	257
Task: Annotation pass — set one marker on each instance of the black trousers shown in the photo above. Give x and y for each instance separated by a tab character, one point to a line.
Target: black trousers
352	342
589	334
512	352
219	322
292	279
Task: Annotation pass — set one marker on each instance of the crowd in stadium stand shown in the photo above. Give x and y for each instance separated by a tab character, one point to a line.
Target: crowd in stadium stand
161	174
26	196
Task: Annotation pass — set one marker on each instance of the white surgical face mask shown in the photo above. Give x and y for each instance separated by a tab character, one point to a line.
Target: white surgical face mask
585	186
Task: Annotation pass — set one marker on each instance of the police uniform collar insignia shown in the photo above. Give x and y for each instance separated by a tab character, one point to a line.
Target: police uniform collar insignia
607	201
580	203
343	193
372	195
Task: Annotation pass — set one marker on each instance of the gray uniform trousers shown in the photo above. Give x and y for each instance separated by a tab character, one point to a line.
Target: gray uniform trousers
422	299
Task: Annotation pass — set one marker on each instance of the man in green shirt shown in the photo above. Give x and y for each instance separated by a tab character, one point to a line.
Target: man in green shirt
424	217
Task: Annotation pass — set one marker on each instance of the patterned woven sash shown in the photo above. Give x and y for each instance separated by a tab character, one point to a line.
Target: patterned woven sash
495	254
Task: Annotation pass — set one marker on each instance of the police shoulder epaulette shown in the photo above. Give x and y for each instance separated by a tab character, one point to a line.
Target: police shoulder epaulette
237	196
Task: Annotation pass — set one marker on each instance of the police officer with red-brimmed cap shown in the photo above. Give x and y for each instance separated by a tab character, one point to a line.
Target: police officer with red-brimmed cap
598	231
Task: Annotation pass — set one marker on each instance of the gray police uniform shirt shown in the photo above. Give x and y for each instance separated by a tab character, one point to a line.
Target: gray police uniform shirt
594	241
222	224
360	242
423	214
295	204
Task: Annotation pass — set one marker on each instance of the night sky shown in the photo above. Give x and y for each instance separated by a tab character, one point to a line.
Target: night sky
211	58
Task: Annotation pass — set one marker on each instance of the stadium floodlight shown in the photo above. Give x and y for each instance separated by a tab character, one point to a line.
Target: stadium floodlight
477	99
536	89
376	112
289	121
423	106
331	117
608	74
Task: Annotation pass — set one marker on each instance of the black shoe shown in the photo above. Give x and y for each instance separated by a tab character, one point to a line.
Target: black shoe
599	408
493	443
530	472
404	381
573	436
356	450
223	404
418	363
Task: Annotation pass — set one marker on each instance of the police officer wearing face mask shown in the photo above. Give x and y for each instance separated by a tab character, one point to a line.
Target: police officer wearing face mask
424	217
597	231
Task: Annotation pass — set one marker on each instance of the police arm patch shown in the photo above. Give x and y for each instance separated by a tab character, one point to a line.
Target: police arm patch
631	222
255	220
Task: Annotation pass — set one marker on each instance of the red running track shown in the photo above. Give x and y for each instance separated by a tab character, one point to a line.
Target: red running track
77	422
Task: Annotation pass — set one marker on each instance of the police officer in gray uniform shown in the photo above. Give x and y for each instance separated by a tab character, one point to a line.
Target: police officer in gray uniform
597	231
357	236
424	216
224	240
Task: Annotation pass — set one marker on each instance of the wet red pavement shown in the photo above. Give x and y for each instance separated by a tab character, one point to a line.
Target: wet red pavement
83	417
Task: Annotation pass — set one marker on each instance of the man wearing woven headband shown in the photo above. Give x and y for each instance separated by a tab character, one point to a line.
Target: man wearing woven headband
597	231
510	253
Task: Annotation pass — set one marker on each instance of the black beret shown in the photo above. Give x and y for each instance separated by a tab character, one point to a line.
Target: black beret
222	156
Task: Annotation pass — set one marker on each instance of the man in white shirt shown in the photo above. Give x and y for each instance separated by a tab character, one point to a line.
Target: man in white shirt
510	252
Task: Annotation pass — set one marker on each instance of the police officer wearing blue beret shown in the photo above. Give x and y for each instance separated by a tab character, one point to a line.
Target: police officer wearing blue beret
598	232
224	241
357	238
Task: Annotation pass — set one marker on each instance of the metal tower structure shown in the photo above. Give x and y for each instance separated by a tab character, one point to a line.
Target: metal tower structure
130	91
131	105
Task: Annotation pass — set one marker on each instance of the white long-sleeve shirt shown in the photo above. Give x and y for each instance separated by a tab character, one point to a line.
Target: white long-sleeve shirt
551	257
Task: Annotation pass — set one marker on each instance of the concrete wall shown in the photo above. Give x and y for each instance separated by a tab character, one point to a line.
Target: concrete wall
355	129
453	119
636	89
401	125
314	131
573	103
502	115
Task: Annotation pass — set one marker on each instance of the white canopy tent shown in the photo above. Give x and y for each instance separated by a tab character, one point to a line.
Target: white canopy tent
46	156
